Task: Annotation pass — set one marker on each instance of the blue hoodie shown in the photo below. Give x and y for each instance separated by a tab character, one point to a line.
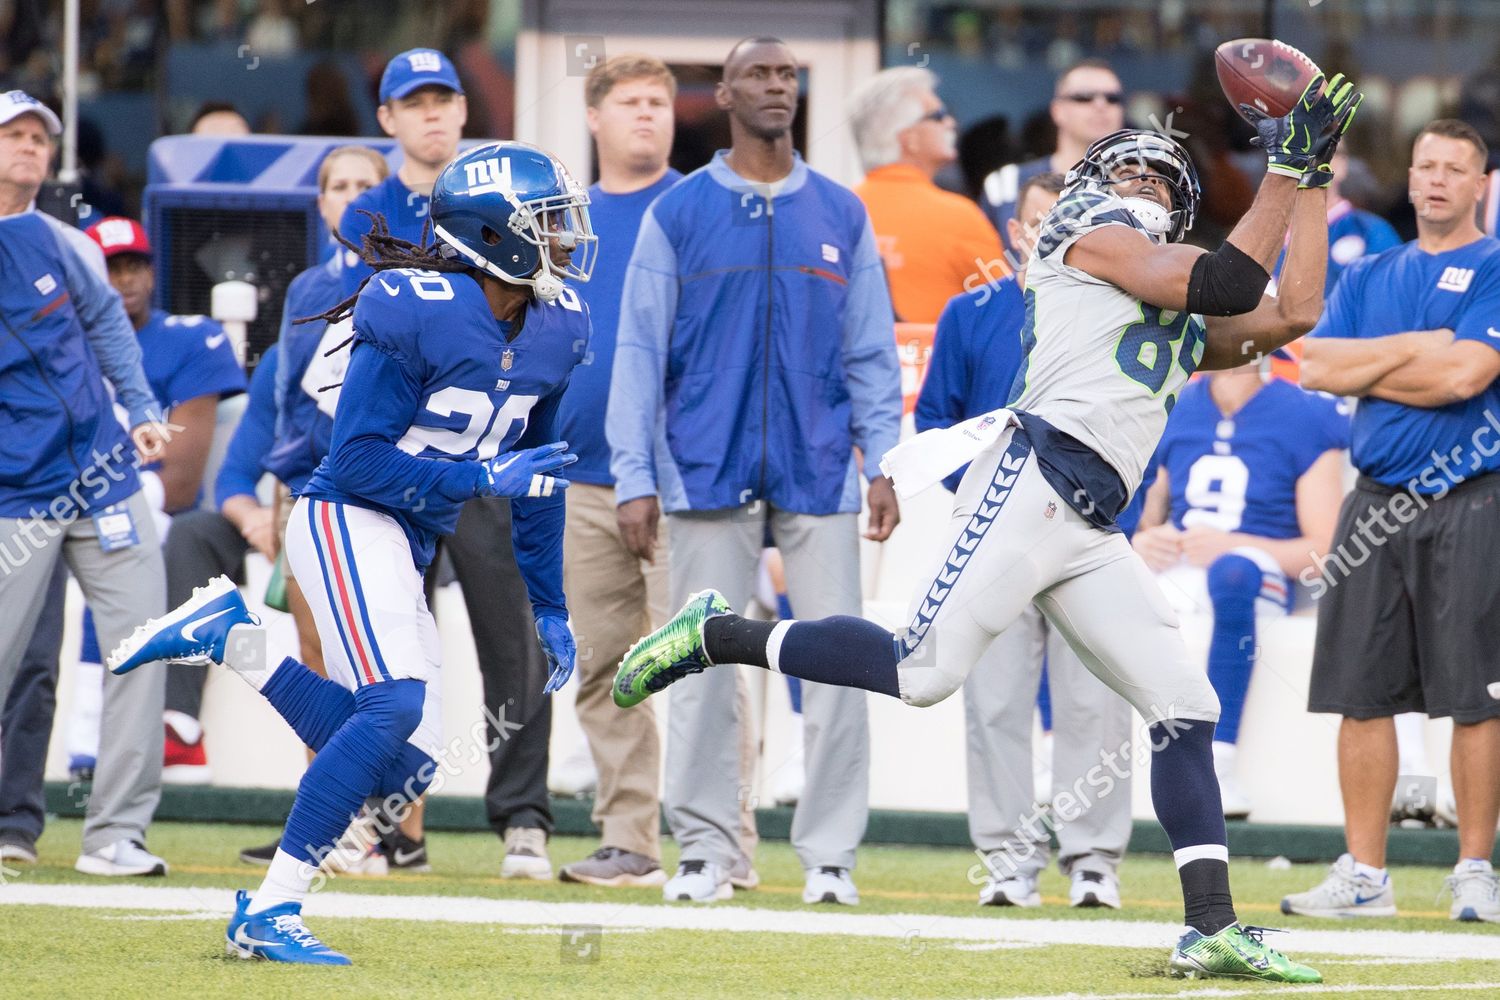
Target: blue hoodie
756	348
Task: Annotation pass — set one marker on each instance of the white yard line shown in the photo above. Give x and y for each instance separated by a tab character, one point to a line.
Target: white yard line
1261	991
913	928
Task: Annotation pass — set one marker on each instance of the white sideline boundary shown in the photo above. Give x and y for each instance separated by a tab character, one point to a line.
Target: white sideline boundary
1262	991
913	928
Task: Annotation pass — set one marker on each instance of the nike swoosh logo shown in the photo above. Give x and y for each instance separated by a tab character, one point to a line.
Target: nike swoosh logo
405	857
1362	900
240	937
1493	332
189	629
389	290
212	343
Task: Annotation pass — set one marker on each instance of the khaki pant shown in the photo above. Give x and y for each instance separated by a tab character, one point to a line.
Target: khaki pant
614	599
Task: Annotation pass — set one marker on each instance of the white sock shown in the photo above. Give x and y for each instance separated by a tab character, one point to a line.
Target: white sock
773	644
286	882
1369	871
1411	743
245	653
1472	865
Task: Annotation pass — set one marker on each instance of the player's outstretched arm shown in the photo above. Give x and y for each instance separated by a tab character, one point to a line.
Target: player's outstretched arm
1279	319
1231	280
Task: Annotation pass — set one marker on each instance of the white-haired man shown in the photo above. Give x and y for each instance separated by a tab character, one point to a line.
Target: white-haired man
931	240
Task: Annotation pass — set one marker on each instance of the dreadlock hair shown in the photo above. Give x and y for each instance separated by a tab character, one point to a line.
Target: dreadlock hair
382	252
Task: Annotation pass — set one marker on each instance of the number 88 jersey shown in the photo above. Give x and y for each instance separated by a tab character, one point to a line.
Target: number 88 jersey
1099	364
444	381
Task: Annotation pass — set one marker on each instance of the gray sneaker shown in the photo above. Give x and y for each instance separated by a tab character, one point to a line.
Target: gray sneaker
614	867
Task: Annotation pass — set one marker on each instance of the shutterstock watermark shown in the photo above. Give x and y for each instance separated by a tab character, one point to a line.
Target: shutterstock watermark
1034	828
1373	529
92	484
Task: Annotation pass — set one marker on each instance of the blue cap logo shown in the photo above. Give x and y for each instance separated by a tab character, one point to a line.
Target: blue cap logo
416	68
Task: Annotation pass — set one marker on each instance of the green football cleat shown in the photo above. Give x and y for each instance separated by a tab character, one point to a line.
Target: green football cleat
1236	952
670	653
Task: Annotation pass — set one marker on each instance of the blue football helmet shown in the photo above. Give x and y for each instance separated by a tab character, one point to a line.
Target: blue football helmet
501	206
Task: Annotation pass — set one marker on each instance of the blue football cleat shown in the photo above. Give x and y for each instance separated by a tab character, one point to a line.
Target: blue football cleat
276	935
196	631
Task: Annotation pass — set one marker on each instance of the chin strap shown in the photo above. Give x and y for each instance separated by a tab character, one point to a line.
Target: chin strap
548	285
1156	220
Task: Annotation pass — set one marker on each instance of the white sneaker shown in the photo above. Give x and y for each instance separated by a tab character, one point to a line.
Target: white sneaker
1094	888
122	858
1017	890
830	884
526	854
351	854
574	776
1476	892
789	778
697	882
1346	892
17	852
1233	798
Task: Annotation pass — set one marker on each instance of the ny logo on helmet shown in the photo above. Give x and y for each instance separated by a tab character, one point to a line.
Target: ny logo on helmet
487	176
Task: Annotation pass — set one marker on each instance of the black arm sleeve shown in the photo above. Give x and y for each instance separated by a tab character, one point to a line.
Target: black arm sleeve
1227	282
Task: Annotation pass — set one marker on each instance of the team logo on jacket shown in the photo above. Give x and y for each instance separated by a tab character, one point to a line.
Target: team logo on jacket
830	253
507	359
46	284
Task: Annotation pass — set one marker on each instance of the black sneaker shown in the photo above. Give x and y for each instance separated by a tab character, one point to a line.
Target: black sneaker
261	855
403	853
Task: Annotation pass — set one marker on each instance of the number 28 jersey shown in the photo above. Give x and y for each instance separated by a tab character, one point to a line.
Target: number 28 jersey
1099	364
434	386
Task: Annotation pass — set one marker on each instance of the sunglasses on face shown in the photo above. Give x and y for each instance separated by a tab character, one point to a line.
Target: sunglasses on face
1089	96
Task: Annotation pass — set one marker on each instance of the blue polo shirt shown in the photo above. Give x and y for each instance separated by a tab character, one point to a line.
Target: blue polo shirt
617	220
1425	450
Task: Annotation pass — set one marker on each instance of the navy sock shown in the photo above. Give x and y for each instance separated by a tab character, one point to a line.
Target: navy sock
841	650
1234	583
349	765
1185	794
314	706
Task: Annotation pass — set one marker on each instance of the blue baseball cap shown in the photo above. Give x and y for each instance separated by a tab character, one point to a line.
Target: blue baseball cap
417	68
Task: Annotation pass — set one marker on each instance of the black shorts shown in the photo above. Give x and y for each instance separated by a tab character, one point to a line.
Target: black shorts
1410	619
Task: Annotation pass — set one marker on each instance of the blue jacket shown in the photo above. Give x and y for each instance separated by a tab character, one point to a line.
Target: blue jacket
976	353
244	459
756	348
63	332
303	430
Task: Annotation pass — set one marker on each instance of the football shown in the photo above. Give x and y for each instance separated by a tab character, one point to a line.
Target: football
1263	73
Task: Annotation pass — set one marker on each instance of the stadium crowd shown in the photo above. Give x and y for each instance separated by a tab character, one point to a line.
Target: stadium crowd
1247	514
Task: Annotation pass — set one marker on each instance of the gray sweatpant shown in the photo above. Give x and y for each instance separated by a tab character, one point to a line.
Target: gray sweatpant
703	791
124	588
1091	749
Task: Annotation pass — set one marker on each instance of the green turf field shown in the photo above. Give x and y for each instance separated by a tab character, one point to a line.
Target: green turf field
466	932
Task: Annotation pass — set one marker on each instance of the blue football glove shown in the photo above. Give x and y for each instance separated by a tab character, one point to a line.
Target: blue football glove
562	652
525	473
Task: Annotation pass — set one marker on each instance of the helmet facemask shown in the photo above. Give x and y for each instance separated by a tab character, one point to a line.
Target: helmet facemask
1130	154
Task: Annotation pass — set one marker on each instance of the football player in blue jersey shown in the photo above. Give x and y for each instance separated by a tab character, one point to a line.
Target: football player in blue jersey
461	353
1249	480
